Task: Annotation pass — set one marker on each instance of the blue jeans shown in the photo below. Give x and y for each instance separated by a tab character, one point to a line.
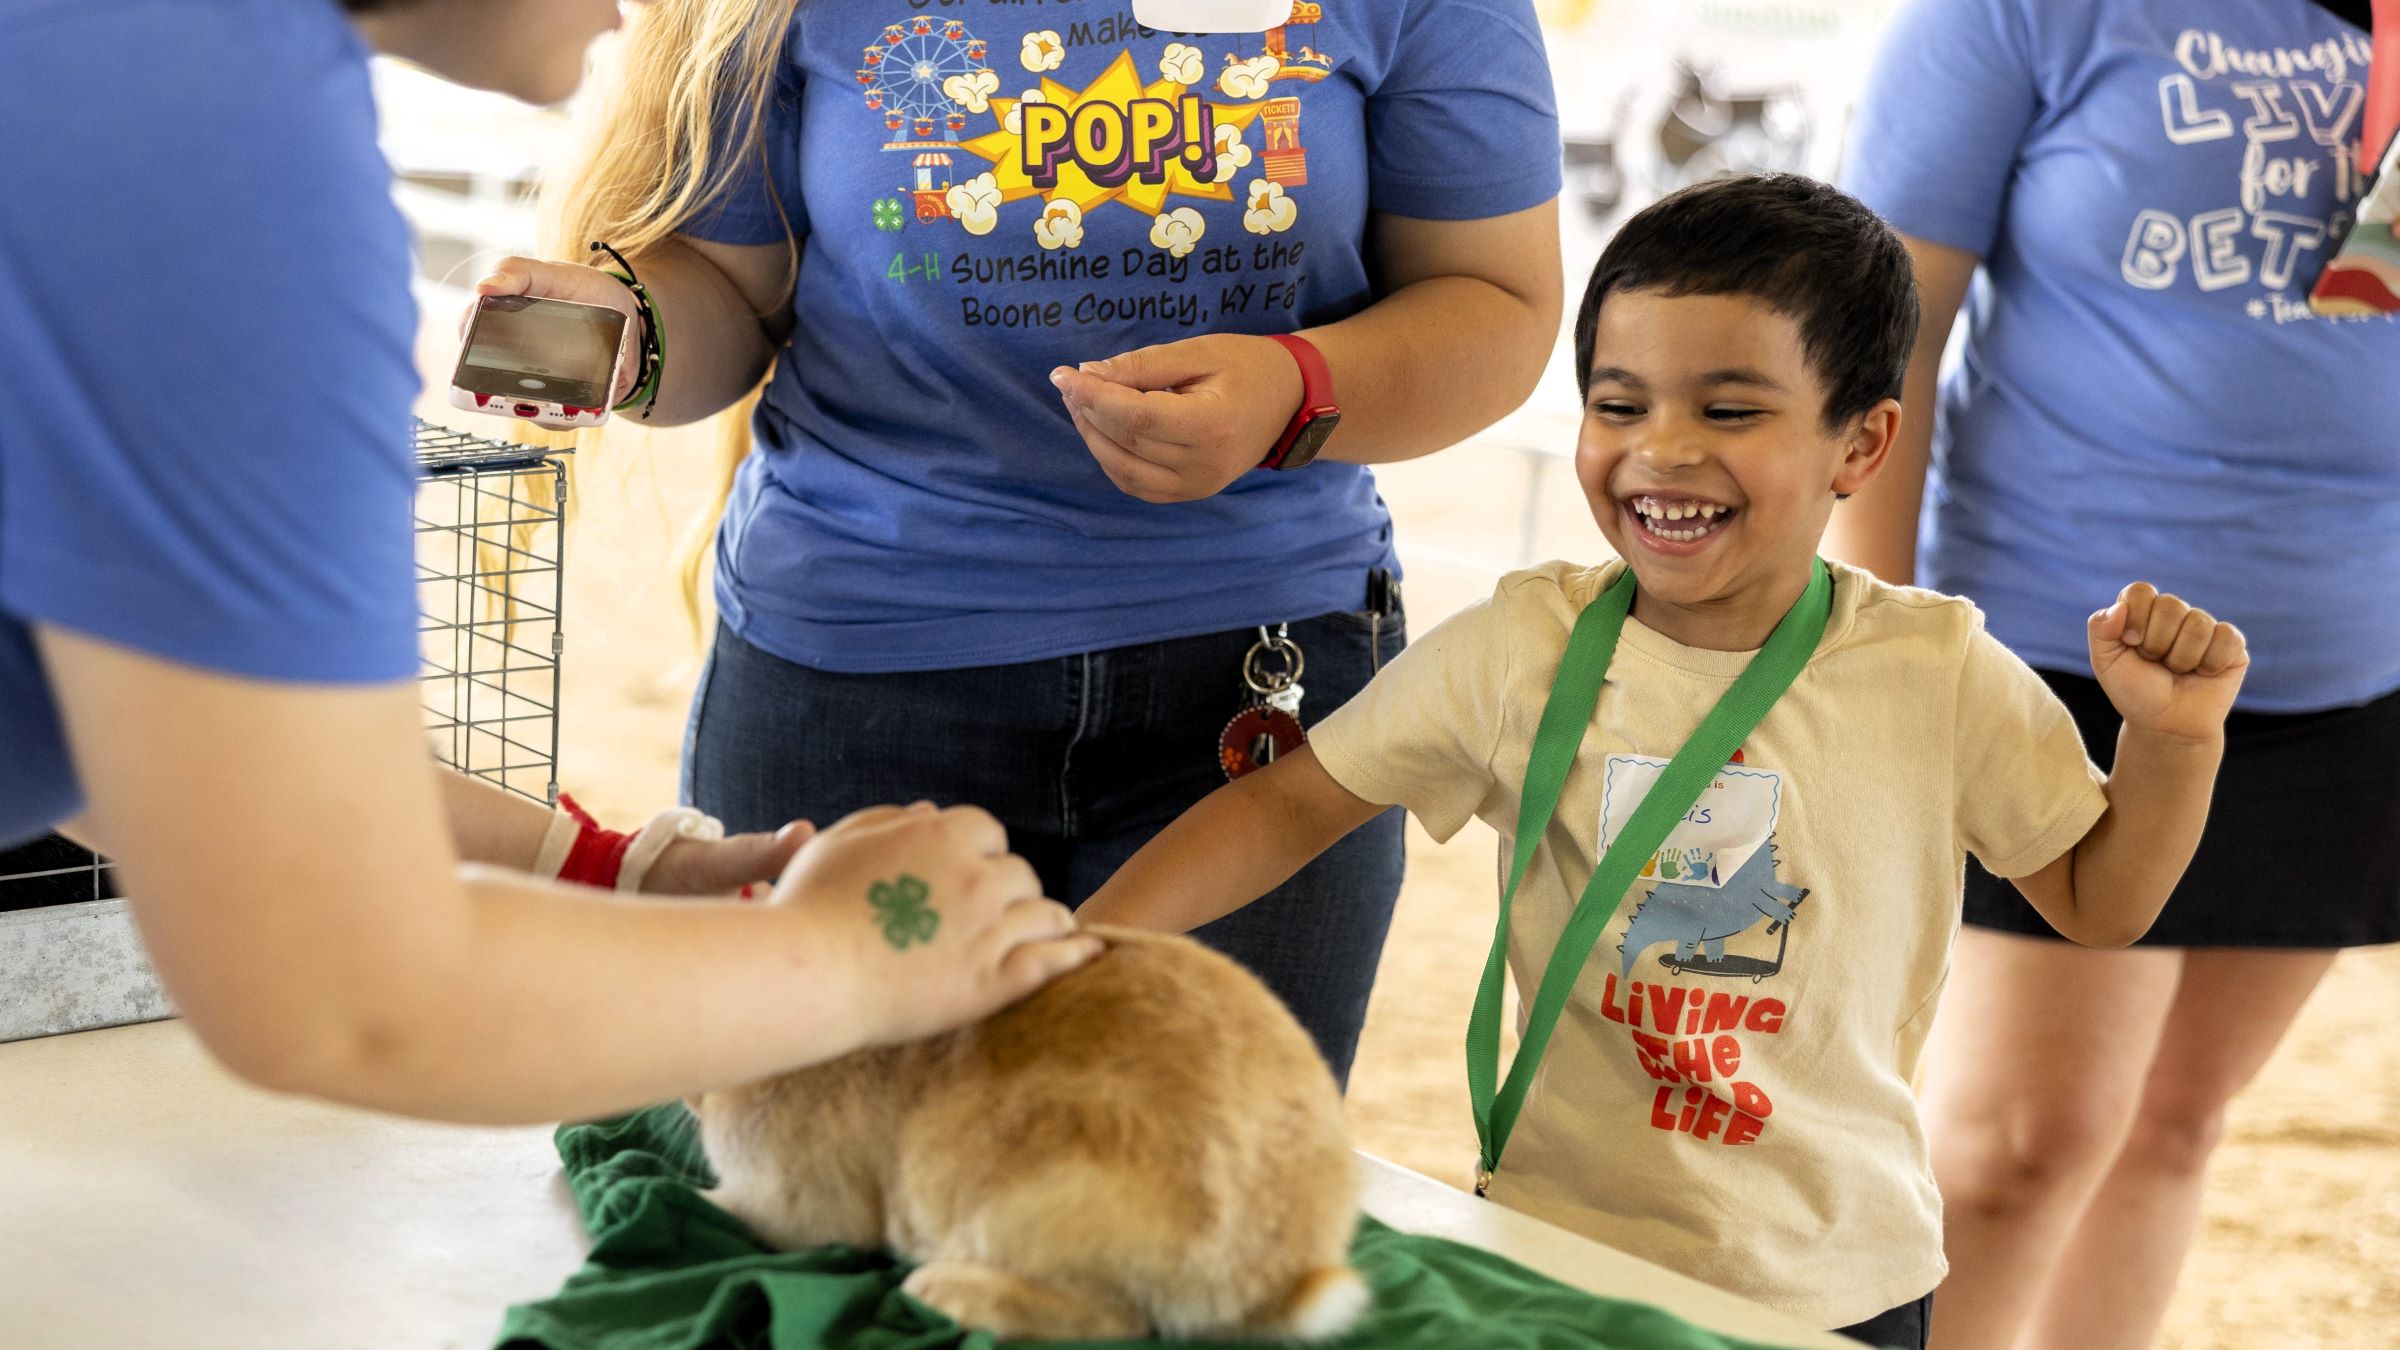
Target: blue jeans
1084	759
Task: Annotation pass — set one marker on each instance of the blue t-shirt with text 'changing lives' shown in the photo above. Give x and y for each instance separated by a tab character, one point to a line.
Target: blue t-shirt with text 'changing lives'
984	191
204	434
2143	394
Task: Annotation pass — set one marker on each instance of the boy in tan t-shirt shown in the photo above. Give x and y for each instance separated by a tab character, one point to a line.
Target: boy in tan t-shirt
1727	1087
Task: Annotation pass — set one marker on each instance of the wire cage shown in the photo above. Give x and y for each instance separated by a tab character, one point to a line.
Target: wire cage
491	565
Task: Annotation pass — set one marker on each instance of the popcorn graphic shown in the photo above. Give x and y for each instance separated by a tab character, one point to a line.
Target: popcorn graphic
1060	225
976	203
1182	63
1233	154
1178	231
1269	211
973	90
1015	121
1247	79
1042	51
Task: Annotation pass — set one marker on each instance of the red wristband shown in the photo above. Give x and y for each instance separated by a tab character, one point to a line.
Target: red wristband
597	855
1318	413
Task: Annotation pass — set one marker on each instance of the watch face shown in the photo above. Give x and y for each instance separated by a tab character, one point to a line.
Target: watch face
1310	440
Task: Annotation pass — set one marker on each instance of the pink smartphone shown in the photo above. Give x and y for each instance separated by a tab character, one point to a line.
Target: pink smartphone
549	362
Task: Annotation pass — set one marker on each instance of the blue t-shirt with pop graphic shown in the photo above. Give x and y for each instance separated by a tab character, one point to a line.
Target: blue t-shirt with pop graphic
204	436
984	191
2143	394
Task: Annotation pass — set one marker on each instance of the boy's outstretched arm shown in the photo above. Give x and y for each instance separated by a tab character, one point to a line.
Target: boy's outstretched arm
2172	671
1240	842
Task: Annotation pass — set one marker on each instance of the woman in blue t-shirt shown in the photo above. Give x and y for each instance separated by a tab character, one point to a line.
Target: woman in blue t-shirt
208	627
1017	273
2131	200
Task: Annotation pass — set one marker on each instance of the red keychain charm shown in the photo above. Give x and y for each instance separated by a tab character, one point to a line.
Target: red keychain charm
1256	737
1269	727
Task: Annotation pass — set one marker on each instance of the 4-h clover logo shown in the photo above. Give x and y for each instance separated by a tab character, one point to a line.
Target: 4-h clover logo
900	907
889	214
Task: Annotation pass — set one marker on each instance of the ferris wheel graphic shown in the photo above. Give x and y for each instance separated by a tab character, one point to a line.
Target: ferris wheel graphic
903	73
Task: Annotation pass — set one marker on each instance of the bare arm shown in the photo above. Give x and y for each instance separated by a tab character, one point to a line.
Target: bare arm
1469	313
293	878
1877	528
1240	842
488	825
1467	316
2108	889
725	310
2173	672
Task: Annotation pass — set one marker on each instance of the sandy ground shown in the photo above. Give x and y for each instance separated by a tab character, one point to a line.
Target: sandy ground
2301	1243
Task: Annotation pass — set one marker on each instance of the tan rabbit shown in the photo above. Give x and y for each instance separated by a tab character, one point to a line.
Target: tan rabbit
1148	1146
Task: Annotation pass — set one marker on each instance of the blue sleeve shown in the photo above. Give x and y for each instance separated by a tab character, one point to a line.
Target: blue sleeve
204	416
1953	92
761	199
1464	125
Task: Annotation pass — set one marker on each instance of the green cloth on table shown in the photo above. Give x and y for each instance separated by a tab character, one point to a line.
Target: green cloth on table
670	1271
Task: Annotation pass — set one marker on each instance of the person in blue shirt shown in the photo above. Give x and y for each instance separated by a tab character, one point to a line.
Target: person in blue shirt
2130	201
208	624
1012	276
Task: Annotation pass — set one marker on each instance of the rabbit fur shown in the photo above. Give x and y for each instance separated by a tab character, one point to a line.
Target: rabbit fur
1149	1145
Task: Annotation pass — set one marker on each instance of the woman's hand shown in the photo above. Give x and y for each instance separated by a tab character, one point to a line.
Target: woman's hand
1180	422
929	918
2170	669
720	867
581	285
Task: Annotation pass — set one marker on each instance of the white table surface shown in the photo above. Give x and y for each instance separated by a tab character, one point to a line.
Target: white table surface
148	1198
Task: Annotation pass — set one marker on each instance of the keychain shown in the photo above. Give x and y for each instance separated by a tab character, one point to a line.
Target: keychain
1269	727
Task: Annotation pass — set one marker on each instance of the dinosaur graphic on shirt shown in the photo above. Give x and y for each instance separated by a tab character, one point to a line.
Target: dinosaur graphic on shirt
1695	917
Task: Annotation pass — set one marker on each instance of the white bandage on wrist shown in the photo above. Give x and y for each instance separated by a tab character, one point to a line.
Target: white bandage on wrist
681	822
557	842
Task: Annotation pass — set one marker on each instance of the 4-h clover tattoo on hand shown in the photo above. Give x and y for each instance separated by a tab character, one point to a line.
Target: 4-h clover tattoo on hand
900	907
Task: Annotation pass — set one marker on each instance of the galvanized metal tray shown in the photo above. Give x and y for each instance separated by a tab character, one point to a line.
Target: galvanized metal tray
73	967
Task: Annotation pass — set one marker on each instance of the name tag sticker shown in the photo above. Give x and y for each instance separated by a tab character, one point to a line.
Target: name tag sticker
1732	819
1212	16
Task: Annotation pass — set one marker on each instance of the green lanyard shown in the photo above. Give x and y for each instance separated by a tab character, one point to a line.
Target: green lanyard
1574	694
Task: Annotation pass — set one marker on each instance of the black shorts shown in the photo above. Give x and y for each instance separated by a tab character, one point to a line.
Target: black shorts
2302	847
1903	1328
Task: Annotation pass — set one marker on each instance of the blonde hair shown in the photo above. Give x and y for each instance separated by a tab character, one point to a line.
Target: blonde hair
674	113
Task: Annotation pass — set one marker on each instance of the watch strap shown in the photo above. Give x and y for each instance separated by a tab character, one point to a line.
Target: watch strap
1316	394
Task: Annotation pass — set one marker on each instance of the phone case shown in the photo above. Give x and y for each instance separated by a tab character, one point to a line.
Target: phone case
540	412
557	416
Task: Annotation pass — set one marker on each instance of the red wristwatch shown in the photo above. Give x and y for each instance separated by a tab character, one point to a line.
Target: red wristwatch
1318	414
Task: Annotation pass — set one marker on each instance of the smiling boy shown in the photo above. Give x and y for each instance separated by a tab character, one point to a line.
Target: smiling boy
1726	1090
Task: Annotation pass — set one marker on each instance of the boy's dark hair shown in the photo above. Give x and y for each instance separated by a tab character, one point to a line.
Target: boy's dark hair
1798	246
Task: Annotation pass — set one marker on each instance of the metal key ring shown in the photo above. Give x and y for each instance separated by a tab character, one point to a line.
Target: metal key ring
1278	643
